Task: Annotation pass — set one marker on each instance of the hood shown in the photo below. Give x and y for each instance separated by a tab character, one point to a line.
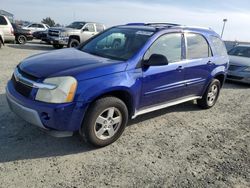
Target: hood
240	61
70	62
62	29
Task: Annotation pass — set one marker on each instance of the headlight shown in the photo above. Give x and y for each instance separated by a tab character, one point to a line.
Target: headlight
63	34
247	69
63	93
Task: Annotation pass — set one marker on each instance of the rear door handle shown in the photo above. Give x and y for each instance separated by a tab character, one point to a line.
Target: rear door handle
210	62
180	68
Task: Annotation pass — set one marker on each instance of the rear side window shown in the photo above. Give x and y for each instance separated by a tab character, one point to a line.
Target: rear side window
99	27
33	25
3	21
168	45
197	46
219	46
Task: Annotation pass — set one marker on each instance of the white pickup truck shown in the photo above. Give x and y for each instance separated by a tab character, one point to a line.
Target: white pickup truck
73	34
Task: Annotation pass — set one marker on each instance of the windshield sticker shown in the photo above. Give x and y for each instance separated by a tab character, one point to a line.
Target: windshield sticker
144	33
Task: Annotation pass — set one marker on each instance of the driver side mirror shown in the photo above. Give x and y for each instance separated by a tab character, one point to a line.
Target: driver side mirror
85	29
156	60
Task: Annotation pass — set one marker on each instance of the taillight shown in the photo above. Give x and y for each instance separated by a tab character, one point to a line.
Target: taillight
12	31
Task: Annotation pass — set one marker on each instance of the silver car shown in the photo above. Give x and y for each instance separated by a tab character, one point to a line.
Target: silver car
239	65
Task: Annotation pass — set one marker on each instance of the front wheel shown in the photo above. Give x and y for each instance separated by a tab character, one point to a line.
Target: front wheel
211	95
21	39
105	121
73	43
58	46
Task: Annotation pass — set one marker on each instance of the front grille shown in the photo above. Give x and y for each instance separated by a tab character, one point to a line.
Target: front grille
53	33
234	77
21	88
233	67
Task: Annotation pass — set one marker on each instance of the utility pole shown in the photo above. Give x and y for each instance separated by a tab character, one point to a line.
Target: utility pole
224	24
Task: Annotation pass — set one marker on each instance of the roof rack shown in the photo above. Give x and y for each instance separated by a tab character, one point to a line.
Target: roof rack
157	25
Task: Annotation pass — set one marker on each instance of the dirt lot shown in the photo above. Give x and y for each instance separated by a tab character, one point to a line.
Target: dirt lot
181	146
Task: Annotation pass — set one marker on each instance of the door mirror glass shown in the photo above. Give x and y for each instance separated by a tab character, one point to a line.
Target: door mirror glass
156	60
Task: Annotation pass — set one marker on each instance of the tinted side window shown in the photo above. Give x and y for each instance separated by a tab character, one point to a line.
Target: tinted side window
197	46
90	28
33	25
219	46
168	45
40	26
3	21
99	27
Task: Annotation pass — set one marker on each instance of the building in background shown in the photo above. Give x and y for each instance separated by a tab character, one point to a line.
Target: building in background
8	15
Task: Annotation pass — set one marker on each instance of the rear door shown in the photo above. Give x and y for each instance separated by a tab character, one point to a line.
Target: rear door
161	84
199	63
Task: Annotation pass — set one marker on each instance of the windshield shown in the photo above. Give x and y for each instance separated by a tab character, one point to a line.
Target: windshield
76	25
242	51
117	43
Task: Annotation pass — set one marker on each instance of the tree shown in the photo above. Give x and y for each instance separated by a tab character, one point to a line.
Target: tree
48	21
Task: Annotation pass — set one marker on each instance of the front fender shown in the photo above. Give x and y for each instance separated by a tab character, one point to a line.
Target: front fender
128	82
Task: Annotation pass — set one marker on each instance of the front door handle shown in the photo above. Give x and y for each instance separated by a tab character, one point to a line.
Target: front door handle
180	68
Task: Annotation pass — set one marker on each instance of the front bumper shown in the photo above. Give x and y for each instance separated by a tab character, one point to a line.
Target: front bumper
60	117
27	114
30	37
58	40
239	76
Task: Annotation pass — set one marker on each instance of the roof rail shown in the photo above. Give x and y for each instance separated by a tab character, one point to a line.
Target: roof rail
162	24
158	25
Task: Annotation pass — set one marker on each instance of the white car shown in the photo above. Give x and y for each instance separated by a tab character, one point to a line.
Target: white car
36	27
1	39
6	29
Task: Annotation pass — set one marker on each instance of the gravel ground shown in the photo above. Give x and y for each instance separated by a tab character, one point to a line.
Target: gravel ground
181	146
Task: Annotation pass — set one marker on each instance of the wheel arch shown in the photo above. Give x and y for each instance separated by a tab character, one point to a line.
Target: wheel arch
74	37
120	93
221	77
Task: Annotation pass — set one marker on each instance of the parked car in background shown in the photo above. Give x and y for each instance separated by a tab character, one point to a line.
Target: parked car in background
7	29
22	35
73	34
239	65
42	35
97	87
1	39
36	27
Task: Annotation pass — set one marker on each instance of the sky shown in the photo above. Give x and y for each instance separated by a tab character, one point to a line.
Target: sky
114	12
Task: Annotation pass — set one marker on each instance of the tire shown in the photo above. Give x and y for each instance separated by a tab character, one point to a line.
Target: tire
116	44
58	46
73	43
211	95
21	39
105	121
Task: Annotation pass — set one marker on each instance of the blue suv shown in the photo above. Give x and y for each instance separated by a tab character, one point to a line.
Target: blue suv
118	74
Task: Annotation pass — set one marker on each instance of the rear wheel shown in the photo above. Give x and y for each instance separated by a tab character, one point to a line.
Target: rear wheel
105	121
73	43
21	39
211	95
58	46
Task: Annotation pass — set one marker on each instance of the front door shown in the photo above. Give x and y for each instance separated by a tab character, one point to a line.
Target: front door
88	31
161	84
